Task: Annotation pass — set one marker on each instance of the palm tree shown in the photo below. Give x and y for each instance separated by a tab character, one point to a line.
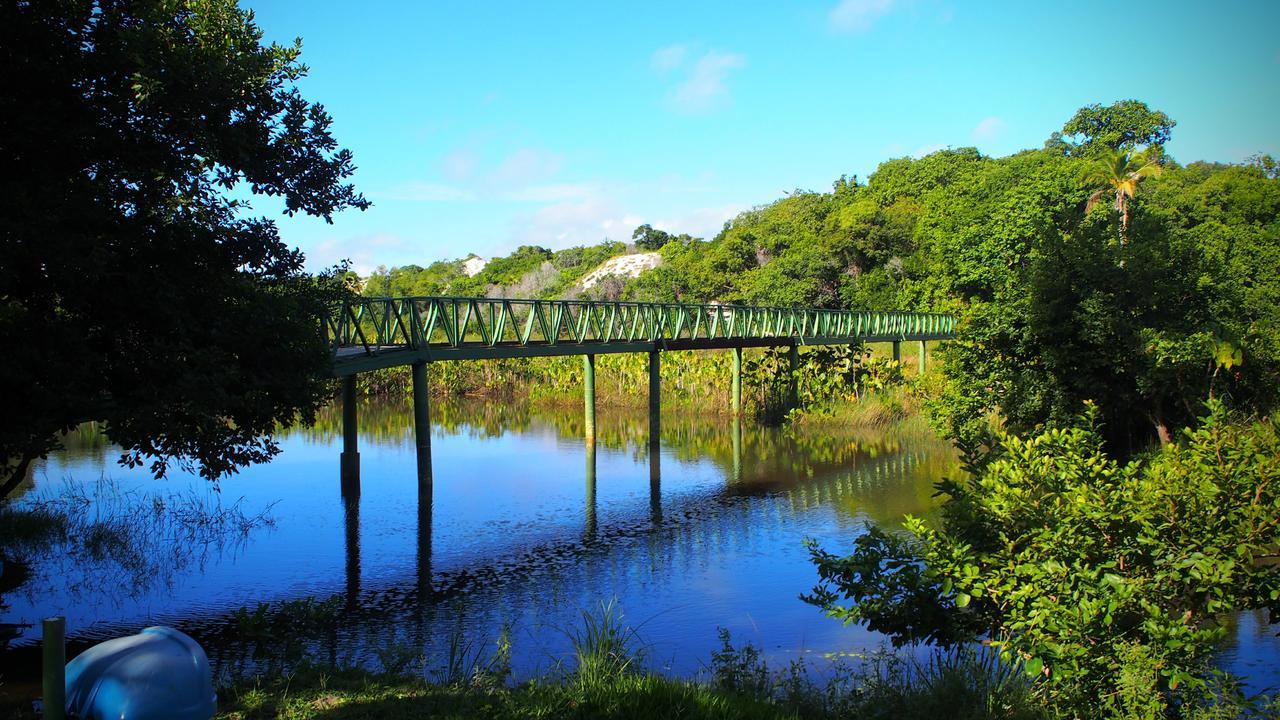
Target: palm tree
1120	172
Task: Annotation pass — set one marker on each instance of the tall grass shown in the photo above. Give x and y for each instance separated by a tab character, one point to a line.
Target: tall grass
603	648
825	376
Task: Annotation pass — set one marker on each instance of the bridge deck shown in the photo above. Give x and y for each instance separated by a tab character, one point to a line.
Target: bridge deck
373	333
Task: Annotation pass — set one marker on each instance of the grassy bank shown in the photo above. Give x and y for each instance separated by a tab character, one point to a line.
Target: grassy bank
355	694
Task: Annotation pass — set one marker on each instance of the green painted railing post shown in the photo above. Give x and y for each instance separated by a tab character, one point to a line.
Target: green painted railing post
897	351
737	382
793	381
589	396
54	652
350	465
422	423
655	398
923	357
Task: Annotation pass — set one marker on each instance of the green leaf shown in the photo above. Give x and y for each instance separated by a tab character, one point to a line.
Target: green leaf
1034	666
962	600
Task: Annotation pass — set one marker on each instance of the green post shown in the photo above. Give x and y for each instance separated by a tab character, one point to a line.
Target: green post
54	649
589	395
897	351
923	357
793	382
737	382
422	423
350	463
655	398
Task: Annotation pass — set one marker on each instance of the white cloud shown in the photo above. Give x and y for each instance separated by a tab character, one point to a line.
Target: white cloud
585	221
669	58
365	252
428	192
526	165
858	15
552	193
700	222
987	129
892	150
459	165
928	150
704	89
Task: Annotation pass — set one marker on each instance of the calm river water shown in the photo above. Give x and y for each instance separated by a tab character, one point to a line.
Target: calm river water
525	528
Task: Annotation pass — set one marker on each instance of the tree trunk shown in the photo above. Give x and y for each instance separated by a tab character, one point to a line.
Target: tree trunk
16	474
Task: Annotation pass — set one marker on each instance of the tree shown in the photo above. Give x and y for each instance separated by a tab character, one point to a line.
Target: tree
135	288
1119	172
647	237
1122	125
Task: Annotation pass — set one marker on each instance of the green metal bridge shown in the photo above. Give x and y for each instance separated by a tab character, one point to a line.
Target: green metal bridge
367	334
372	333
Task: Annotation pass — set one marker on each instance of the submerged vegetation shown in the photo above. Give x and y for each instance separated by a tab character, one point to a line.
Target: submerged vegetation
117	538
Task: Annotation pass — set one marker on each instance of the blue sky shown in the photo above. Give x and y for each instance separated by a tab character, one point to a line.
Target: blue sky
481	126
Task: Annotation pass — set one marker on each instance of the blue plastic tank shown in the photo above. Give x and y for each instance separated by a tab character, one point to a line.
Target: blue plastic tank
158	674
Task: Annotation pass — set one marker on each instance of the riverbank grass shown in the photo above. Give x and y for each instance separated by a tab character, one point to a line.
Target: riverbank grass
355	694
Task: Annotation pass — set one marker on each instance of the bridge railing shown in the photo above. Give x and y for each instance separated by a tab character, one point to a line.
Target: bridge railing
378	323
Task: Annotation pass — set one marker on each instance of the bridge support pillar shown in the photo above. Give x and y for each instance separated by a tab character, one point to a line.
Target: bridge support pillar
897	351
350	463
737	382
589	396
422	424
655	399
793	381
924	357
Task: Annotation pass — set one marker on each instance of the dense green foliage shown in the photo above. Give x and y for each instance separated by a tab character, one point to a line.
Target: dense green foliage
1081	566
133	287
